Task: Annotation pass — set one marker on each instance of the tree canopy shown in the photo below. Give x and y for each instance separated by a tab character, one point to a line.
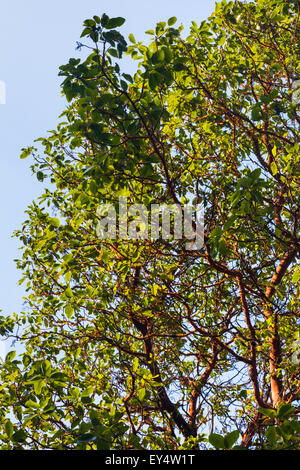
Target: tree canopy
143	344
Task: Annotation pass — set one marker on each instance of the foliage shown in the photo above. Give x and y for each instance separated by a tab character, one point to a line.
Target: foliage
284	431
141	343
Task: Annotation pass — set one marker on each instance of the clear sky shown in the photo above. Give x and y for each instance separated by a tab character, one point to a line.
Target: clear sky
37	37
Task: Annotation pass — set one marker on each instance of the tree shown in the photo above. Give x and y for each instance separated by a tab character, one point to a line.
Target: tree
142	343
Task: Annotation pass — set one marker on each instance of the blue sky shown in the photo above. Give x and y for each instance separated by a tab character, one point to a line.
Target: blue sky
35	39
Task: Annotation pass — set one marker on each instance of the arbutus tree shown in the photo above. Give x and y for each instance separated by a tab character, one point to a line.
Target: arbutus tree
143	344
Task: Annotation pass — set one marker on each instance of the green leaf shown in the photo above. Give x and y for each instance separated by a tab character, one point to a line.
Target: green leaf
87	392
90	23
86	32
284	410
114	53
32	404
40	176
86	438
222	247
166	73
158	56
93	187
147	170
296	275
274	168
168	54
141	394
179	67
9	429
229	223
104	20
19	436
172	20
135	364
46	367
114	22
255	174
10	356
154	80
69	310
267	412
69	292
38	385
55	222
94	418
256	113
217	440
131	38
271	435
103	444
25	153
124	85
231	438
216	233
